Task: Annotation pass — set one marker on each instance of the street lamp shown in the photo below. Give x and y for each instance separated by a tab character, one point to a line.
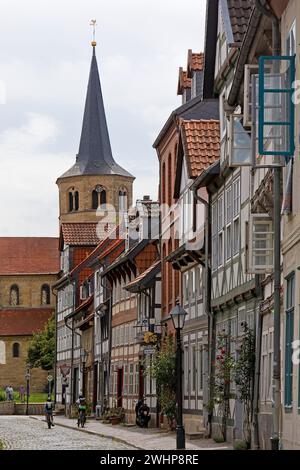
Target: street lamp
27	377
83	357
178	315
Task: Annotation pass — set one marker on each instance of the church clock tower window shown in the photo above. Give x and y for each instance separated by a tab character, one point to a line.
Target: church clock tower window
122	200
98	197
73	200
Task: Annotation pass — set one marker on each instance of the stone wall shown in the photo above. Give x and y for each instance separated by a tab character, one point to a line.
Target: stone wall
12	408
14	370
85	186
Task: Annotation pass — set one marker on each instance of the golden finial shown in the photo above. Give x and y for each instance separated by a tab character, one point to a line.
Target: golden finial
93	23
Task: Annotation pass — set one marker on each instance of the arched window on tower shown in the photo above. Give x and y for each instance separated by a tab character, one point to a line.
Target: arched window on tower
73	200
16	350
98	197
123	200
14	297
45	294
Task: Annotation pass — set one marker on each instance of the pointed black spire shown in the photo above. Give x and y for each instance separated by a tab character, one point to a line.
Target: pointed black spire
95	155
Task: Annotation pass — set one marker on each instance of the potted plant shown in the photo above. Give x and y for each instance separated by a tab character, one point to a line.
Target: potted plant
114	415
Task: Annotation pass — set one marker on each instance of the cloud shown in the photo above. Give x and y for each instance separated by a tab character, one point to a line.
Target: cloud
29	197
44	68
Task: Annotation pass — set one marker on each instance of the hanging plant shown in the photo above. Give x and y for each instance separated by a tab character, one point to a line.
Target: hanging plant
223	377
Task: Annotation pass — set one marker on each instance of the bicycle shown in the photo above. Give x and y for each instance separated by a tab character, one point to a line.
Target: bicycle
81	418
49	420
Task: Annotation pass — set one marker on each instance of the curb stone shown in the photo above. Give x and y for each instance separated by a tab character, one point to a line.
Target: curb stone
94	433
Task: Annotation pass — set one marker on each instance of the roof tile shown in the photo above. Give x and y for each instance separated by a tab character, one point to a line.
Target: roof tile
23	321
80	234
195	61
29	255
201	141
239	13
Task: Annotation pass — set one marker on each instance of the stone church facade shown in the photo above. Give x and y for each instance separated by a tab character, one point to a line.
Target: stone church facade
29	267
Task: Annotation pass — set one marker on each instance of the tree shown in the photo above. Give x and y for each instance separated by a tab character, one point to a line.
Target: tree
164	371
42	347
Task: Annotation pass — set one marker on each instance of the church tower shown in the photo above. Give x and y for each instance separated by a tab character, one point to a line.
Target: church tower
95	179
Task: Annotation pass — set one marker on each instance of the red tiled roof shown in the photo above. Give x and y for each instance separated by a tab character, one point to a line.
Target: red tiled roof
29	255
23	321
80	234
201	143
138	280
195	61
183	81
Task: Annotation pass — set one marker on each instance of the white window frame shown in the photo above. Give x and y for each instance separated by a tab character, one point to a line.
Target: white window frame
232	145
256	219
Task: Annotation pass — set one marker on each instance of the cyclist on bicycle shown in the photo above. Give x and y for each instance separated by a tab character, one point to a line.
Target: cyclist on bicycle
49	410
81	406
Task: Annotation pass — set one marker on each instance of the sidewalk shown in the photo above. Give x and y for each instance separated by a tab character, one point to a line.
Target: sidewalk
146	439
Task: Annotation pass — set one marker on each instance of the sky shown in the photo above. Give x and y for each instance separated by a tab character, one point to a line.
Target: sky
45	56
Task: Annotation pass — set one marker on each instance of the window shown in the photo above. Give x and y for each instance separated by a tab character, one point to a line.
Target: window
169	171
45	295
186	370
214	235
193	369
289	336
236	197
222	115
185	281
14	298
228	204
98	197
200	369
73	200
239	141
261	247
16	350
130	388
236	236
122	200
228	242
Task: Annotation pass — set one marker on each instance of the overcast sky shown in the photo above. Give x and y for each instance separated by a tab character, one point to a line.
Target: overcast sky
45	57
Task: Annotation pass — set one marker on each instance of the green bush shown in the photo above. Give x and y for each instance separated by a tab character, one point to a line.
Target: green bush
219	439
240	445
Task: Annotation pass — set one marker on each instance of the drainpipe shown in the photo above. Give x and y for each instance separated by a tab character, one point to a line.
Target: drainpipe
258	328
210	316
54	291
266	10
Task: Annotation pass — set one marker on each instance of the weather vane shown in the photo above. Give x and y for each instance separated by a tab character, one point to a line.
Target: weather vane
93	23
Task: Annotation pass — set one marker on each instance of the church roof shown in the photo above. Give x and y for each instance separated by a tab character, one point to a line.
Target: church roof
29	255
95	154
23	321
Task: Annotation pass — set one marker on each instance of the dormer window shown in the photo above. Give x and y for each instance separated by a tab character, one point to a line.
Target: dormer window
73	200
98	197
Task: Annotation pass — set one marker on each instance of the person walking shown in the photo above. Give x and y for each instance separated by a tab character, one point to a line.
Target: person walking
22	394
11	393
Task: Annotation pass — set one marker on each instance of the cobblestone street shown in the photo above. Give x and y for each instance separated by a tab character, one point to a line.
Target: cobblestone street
23	433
